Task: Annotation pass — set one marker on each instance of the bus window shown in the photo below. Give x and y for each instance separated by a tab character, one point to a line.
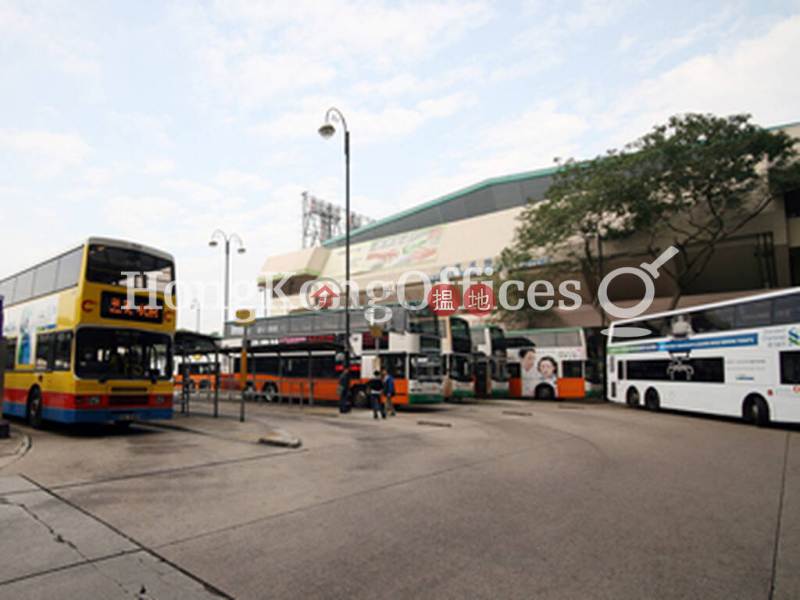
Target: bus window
69	269
44	352
62	351
108	265
395	364
790	367
754	314
323	366
24	287
568	338
572	368
621	370
11	353
786	310
713	319
295	366
45	278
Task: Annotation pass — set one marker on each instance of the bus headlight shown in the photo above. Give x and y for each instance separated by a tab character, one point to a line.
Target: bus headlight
95	400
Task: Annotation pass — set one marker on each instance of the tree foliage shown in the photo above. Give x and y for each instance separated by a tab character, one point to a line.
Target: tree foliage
692	183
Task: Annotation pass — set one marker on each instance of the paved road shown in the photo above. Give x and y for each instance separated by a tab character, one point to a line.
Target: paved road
513	500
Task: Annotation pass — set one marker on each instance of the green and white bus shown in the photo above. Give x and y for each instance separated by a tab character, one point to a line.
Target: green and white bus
733	358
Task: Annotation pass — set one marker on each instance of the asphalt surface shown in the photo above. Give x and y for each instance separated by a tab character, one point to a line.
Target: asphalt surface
511	500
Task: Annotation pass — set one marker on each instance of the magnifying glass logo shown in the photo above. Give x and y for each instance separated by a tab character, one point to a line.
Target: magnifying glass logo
647	272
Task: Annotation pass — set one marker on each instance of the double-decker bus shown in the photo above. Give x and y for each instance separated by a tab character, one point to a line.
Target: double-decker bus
553	363
77	352
302	355
490	361
739	358
457	359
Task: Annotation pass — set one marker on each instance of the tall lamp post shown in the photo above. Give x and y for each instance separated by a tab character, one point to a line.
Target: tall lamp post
599	237
327	130
196	306
213	243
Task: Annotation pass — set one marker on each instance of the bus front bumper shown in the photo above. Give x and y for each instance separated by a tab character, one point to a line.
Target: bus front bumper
64	415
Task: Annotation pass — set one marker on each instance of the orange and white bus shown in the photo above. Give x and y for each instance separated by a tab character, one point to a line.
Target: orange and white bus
76	351
552	363
302	356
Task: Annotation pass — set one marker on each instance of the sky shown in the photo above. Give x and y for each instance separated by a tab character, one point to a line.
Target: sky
161	121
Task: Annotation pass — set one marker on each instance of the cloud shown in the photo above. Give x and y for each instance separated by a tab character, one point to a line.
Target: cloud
198	193
252	52
49	151
160	165
748	77
231	178
391	122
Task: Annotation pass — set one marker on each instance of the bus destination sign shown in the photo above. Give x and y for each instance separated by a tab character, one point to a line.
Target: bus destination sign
115	306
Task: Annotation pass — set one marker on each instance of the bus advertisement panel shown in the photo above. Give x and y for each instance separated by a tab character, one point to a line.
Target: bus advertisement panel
549	364
739	358
77	352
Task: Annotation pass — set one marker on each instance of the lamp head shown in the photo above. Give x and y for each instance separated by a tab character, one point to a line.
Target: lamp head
212	243
327	130
241	250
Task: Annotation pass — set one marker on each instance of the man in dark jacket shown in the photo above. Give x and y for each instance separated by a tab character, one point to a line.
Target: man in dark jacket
388	392
344	391
375	388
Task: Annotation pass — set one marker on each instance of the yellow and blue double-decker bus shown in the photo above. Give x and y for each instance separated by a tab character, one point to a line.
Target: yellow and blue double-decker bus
77	350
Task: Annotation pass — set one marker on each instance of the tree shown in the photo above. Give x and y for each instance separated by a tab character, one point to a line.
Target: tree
692	183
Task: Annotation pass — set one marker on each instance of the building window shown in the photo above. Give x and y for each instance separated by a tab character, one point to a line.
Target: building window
791	203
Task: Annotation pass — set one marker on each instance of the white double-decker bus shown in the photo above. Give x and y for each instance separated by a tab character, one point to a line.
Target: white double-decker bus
734	358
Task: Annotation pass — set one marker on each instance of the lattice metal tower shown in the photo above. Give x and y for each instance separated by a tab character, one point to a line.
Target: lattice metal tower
323	221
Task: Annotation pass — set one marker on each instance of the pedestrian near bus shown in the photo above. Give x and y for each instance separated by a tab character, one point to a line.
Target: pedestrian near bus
344	391
375	387
388	392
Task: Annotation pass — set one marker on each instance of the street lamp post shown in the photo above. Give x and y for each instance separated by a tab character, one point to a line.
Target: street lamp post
597	235
196	306
334	115
228	239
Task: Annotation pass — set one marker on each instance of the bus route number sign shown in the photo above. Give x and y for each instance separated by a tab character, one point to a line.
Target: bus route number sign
114	306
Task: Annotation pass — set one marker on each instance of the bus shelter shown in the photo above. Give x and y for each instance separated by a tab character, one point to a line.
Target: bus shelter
191	345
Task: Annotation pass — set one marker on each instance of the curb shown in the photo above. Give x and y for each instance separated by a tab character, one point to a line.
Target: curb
21	448
435	423
272	440
280	441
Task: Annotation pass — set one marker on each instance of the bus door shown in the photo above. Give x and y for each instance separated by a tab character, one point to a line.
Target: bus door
482	375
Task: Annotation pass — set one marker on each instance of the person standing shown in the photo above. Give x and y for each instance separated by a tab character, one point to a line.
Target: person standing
344	391
388	392
375	387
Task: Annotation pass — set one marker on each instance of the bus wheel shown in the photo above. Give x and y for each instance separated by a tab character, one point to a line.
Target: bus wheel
35	408
633	397
190	386
545	392
270	392
249	391
755	410
651	399
360	399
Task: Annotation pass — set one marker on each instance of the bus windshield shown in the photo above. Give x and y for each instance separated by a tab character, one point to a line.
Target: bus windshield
122	354
425	368
460	368
108	265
